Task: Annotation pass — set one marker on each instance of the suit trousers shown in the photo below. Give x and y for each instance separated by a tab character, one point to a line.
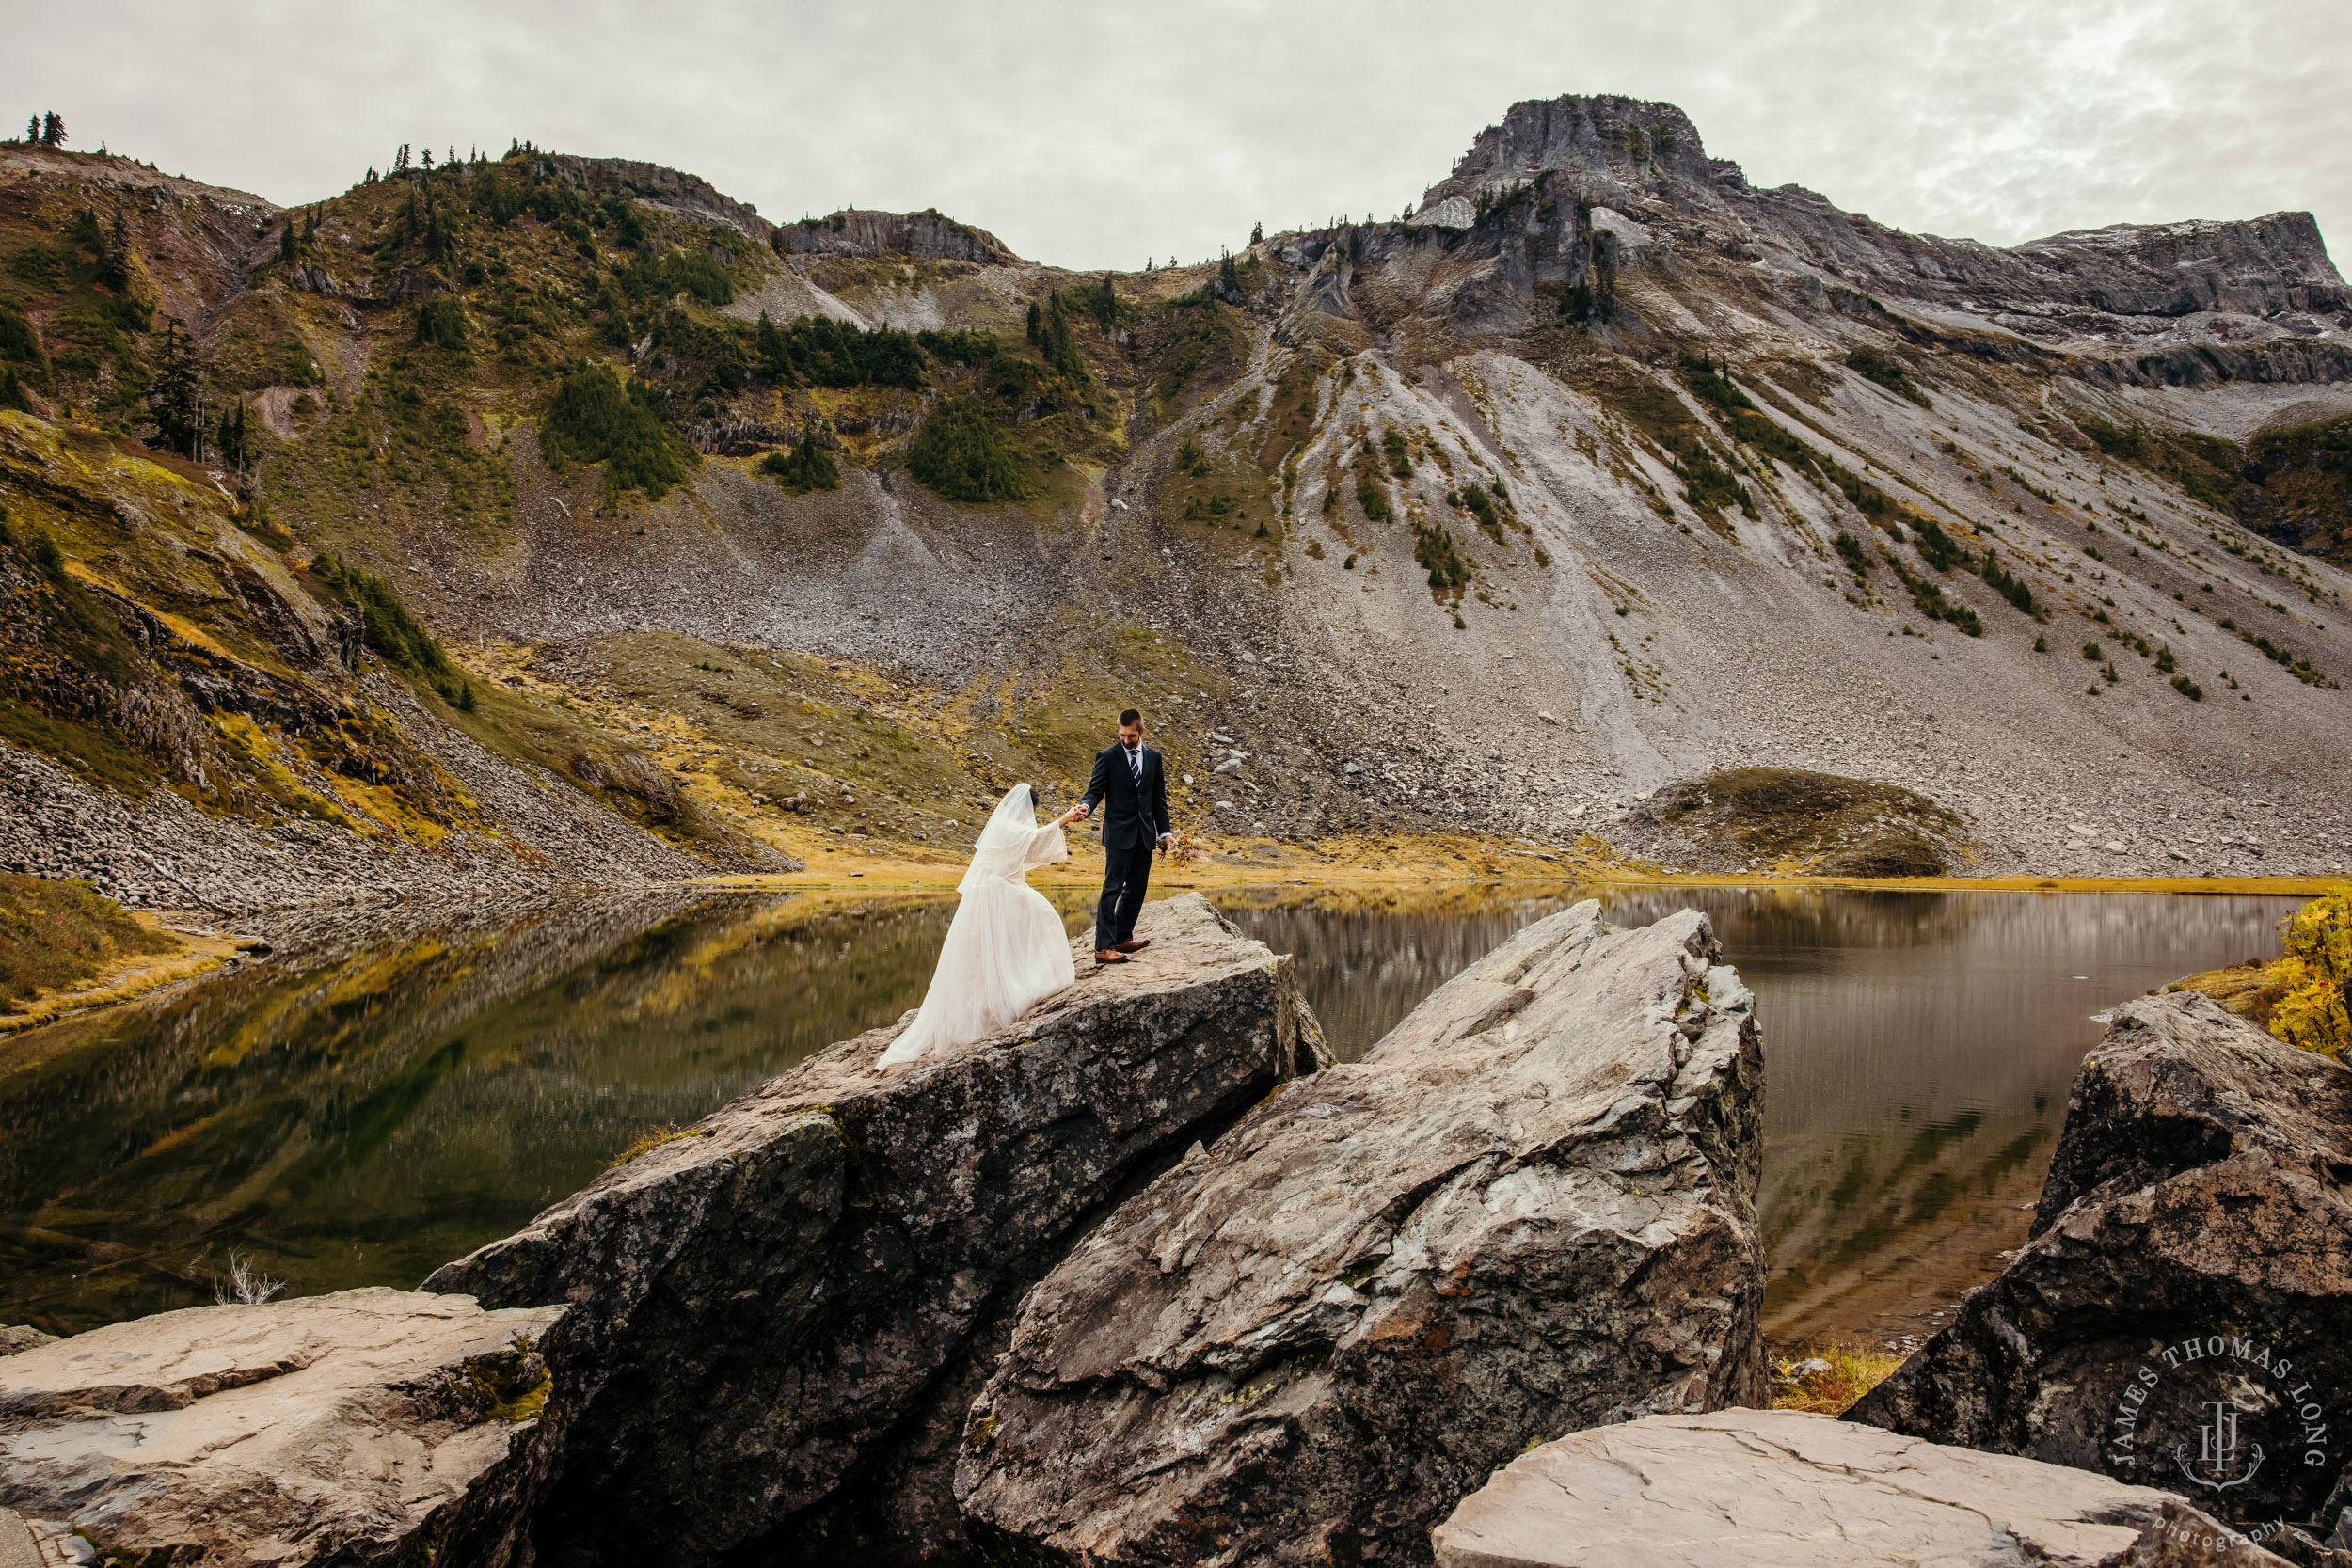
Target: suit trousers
1126	874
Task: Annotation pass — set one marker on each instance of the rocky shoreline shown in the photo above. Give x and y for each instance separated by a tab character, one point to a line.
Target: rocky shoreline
2193	1244
159	851
162	853
1145	1279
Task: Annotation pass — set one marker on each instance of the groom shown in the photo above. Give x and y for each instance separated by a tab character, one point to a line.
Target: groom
1128	781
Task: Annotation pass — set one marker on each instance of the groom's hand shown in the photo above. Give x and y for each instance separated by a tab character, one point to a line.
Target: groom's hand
1167	841
1082	813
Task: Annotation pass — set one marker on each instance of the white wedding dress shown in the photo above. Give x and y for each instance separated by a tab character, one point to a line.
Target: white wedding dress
1006	951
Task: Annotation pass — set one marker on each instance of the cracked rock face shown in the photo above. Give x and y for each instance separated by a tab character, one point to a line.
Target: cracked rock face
2193	1244
773	1304
362	1426
1529	1210
1746	1487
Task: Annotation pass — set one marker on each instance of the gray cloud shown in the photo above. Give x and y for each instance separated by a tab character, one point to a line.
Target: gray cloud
1097	135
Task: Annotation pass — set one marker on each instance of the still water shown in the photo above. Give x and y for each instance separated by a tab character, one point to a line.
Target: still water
389	1098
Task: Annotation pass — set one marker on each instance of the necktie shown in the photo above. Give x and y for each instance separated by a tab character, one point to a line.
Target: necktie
1135	763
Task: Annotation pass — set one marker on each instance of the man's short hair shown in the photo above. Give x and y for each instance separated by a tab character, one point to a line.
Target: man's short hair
1129	716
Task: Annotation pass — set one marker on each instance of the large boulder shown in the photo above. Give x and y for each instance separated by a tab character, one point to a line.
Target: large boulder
798	1297
1747	1488
2190	1263
365	1426
1530	1209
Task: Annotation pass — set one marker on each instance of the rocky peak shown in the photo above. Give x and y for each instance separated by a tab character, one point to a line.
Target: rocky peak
2253	267
926	235
688	194
1633	164
109	171
1610	147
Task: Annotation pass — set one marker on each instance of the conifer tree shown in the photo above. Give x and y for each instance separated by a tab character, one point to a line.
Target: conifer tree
173	397
1257	233
427	159
286	240
52	129
440	245
1060	345
32	129
114	263
774	353
229	439
1036	322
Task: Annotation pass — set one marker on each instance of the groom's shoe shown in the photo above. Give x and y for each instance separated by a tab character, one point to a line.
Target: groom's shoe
1110	955
1134	947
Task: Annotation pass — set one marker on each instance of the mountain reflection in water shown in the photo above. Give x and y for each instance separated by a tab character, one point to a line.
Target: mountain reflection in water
1918	1049
360	1110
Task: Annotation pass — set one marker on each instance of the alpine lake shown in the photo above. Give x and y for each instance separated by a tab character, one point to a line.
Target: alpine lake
386	1094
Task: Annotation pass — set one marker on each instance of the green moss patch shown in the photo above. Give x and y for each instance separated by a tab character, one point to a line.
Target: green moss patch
653	1138
99	755
1652	408
2305	472
1845	827
53	935
2248	990
1888	372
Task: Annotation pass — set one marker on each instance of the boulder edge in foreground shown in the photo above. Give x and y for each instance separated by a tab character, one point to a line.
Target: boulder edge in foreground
799	1294
1762	1488
2193	1244
361	1426
1530	1209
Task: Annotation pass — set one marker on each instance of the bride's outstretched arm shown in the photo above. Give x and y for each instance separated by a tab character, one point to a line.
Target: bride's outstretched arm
1047	847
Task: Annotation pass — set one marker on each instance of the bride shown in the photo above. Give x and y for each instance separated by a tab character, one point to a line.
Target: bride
1006	951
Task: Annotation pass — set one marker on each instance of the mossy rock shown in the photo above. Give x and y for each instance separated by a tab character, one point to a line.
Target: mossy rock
1846	827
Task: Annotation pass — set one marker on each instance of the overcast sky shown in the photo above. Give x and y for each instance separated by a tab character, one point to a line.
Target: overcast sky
1096	135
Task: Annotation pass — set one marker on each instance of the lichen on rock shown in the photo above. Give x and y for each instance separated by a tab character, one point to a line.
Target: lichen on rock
811	1291
361	1426
2193	1236
1753	1486
1530	1209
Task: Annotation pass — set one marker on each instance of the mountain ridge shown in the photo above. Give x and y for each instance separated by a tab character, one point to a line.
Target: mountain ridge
1414	527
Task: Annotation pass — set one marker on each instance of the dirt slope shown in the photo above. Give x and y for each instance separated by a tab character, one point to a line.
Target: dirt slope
1603	472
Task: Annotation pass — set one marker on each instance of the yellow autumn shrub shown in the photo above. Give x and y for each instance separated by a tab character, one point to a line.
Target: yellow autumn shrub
1827	1382
2314	1009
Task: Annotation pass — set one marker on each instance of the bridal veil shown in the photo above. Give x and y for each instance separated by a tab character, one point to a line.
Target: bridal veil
1006	951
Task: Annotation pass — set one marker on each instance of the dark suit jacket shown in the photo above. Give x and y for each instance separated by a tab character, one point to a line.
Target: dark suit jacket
1133	810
